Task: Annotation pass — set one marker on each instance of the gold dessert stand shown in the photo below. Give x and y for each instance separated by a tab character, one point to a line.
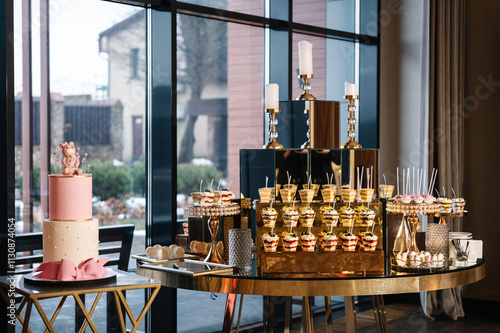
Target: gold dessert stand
444	215
412	210
213	211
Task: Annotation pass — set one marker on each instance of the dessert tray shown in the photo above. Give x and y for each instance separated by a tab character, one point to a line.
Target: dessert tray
213	210
144	257
189	267
33	279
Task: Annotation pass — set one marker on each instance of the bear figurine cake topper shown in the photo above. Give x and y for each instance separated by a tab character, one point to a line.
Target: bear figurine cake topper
71	160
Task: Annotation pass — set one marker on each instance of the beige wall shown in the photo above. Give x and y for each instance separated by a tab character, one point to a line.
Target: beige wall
400	101
482	137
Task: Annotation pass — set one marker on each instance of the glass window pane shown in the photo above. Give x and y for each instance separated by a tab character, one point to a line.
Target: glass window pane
220	111
331	14
241	6
97	85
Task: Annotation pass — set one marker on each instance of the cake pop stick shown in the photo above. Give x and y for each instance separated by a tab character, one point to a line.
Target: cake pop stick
397	178
371	184
404	181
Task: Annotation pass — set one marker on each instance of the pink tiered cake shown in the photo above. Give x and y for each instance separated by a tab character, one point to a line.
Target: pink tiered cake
70	234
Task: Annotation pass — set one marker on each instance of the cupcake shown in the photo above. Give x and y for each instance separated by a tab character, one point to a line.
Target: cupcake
307	217
208	197
331	217
367	217
458	204
347	216
307	241
348	241
329	242
369	241
446	205
290	217
269	216
428	199
366	194
270	241
290	242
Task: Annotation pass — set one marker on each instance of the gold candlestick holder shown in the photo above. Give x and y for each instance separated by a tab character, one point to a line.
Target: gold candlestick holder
273	134
351	121
306	86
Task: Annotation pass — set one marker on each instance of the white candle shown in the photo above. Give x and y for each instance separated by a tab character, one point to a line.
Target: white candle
350	89
272	96
305	58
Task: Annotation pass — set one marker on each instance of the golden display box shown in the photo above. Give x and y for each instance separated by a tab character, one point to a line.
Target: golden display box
336	263
320	263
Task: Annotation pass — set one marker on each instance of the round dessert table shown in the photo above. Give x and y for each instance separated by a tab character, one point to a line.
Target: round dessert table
348	286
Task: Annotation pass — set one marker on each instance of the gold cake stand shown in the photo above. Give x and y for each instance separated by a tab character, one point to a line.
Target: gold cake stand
214	211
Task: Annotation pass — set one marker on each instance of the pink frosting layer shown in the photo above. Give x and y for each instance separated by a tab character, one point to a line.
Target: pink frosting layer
70	197
67	270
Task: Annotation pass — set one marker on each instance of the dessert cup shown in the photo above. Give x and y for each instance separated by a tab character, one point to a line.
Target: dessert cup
197	198
226	197
265	194
347	217
328	195
290	218
348	242
446	205
208	197
307	241
369	241
458	204
290	242
217	197
287	194
348	195
366	194
385	191
269	216
306	195
367	217
329	242
270	242
314	187
330	217
307	217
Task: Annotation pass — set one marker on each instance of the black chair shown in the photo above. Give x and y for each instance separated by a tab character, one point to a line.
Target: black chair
30	246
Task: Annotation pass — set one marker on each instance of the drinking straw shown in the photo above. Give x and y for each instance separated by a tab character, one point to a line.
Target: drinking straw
413	185
385	180
357	176
267	178
327	179
289	179
331	179
309	183
371	184
218	186
367	178
454	195
397	177
444	192
201	184
211	184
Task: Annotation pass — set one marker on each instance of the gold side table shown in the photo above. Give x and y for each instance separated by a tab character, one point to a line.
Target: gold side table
33	293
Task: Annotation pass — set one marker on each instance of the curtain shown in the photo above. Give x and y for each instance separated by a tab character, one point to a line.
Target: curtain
446	123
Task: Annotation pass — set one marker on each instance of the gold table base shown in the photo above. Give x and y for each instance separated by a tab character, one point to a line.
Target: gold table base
33	298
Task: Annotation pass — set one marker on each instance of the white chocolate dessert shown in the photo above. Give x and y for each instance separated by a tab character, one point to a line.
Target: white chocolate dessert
458	204
290	217
367	217
269	216
307	217
347	216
